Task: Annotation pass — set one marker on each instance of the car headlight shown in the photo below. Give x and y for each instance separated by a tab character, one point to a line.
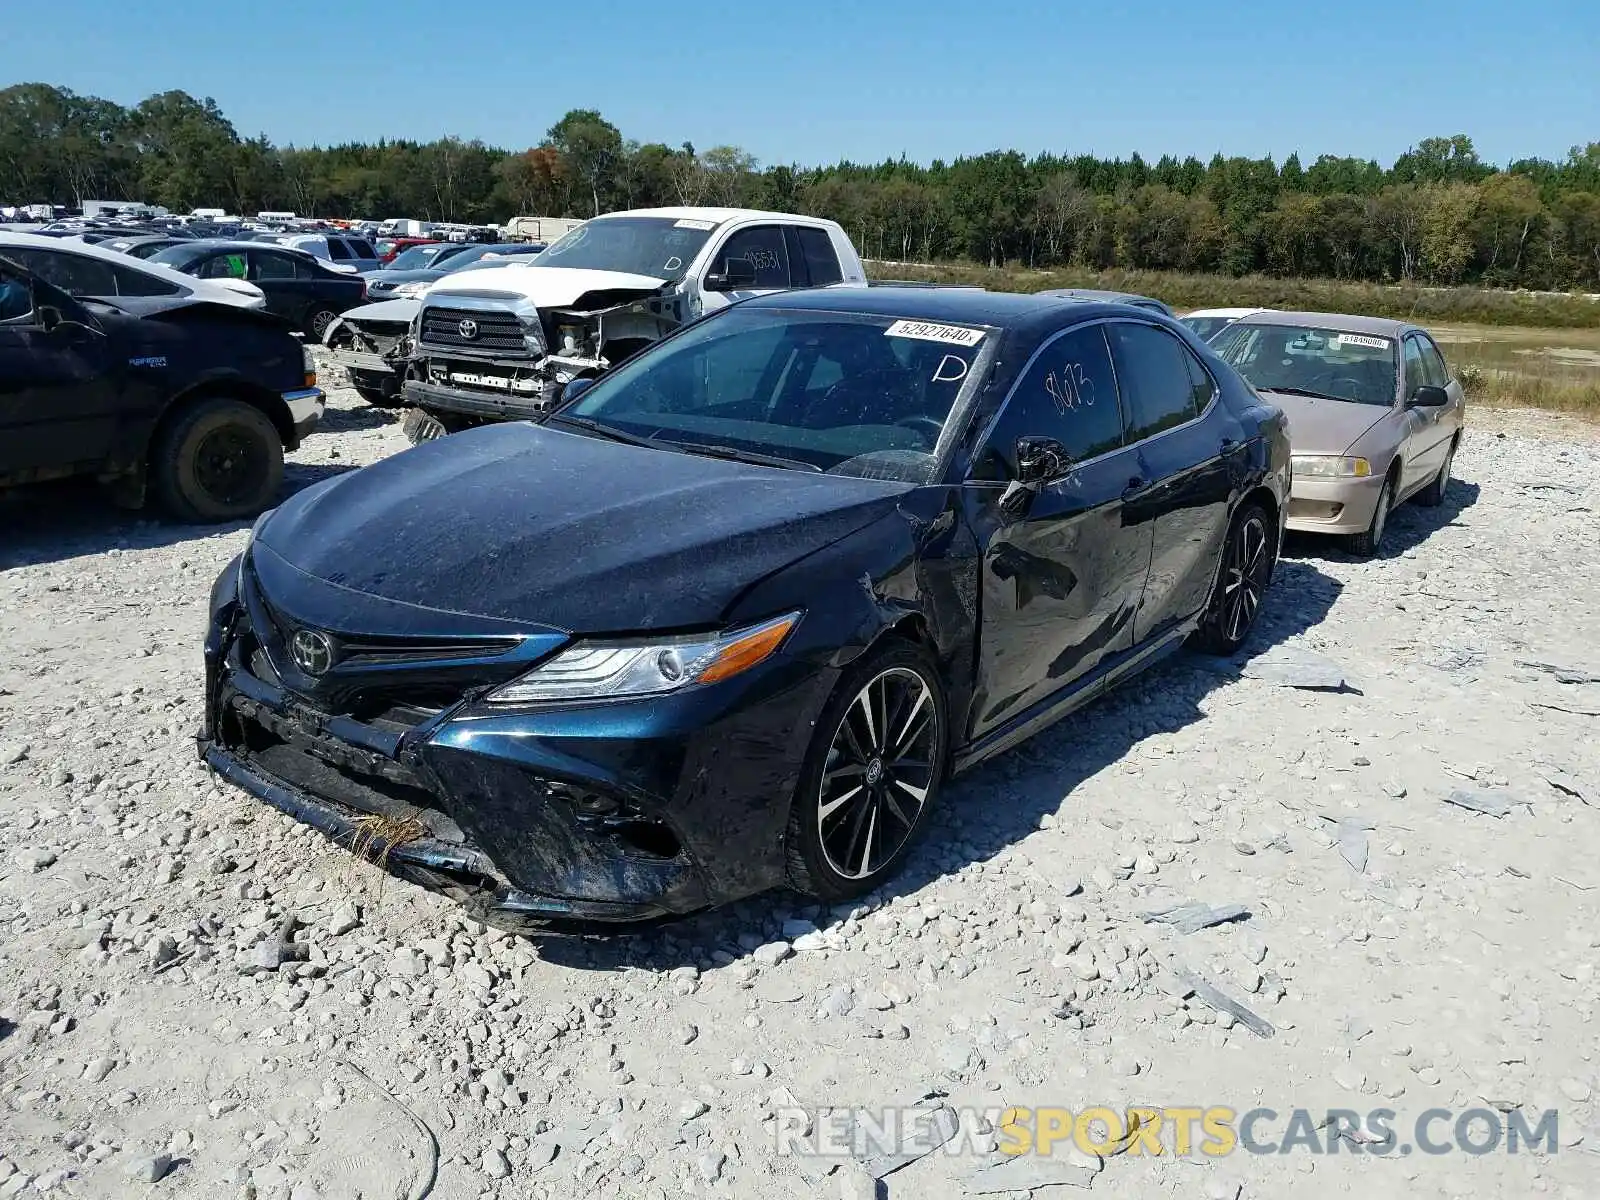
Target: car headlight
1330	466
409	290
611	670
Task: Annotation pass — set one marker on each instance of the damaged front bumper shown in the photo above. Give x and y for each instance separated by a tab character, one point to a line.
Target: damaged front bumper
622	812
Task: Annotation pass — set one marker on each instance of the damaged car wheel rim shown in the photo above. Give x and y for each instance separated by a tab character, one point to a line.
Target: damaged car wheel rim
1249	564
878	773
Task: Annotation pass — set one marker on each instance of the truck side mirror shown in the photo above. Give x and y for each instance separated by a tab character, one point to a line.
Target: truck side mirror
736	274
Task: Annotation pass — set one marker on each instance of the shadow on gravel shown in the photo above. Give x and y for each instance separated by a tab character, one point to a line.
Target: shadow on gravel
343	420
1409	526
53	522
983	813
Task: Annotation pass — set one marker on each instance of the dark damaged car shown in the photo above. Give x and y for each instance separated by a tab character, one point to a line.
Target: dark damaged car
122	374
734	613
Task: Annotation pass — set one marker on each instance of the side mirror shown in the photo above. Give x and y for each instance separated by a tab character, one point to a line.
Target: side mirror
50	318
574	389
1429	395
1041	459
736	274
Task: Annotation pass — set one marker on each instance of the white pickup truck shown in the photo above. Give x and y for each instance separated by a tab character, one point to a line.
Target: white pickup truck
501	344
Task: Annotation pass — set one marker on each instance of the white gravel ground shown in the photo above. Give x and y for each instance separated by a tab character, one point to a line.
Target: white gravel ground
1410	954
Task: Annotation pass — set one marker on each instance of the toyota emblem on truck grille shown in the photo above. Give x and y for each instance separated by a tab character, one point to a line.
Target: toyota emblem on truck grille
312	651
468	329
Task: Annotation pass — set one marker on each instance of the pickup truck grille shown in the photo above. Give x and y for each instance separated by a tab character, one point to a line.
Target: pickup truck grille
493	331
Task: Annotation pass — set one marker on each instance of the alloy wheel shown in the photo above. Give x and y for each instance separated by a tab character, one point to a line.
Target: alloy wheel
1248	569
878	773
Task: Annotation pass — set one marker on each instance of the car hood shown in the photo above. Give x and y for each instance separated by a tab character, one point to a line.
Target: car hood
384	310
1324	426
547	287
394	278
524	523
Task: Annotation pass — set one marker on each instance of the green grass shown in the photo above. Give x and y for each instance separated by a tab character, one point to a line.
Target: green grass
1425	306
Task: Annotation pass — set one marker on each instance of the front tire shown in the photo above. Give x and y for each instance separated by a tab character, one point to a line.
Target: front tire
1248	557
221	460
1370	543
872	773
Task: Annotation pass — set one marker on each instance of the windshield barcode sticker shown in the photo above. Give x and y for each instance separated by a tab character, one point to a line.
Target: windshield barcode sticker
686	223
957	335
1359	339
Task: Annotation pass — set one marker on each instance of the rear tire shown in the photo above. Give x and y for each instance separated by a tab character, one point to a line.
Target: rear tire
1248	558
221	460
885	725
317	323
1370	543
1433	495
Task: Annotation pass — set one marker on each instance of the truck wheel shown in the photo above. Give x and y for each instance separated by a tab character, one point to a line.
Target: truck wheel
377	394
420	427
221	460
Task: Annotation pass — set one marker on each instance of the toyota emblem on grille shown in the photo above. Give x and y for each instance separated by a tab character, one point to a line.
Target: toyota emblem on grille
312	651
468	329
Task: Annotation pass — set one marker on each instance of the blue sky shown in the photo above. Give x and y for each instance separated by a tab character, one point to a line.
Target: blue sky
815	82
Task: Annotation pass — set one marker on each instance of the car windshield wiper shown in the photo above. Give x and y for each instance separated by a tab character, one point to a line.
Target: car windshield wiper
1294	391
744	456
608	431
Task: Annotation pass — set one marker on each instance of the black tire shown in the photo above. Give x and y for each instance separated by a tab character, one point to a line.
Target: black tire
420	427
221	460
379	396
1433	495
1248	557
826	821
1370	543
317	322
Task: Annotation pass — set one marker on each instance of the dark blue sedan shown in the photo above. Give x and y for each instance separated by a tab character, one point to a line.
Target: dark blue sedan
735	612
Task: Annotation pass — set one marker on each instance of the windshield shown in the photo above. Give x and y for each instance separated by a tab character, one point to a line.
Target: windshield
1328	363
658	246
1207	328
838	392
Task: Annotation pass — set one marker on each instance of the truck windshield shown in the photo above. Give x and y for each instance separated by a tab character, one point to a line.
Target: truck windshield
846	393
657	246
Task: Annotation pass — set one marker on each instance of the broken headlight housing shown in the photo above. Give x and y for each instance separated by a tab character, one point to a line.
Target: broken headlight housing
1329	466
646	667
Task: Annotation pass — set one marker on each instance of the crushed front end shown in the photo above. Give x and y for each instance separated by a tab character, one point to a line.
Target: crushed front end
531	819
478	358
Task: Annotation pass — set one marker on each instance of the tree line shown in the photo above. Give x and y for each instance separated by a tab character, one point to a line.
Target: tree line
1438	214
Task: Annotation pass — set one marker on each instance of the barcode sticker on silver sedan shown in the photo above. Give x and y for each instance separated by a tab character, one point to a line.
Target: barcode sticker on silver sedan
1360	339
958	335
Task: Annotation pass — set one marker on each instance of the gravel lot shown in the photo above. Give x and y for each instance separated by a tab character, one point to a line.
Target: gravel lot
1408	953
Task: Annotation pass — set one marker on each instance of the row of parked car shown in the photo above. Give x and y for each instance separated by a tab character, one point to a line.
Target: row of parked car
779	552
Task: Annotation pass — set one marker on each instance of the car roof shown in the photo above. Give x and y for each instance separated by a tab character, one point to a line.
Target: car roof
232	244
1339	322
1108	297
24	241
719	215
969	306
1225	312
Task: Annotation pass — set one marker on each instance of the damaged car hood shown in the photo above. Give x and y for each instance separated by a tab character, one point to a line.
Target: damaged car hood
525	523
546	287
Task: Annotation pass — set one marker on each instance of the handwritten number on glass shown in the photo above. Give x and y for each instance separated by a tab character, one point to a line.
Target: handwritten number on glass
1070	388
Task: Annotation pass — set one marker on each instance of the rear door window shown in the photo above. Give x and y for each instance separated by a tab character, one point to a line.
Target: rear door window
821	261
270	265
763	248
338	250
77	275
1153	377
